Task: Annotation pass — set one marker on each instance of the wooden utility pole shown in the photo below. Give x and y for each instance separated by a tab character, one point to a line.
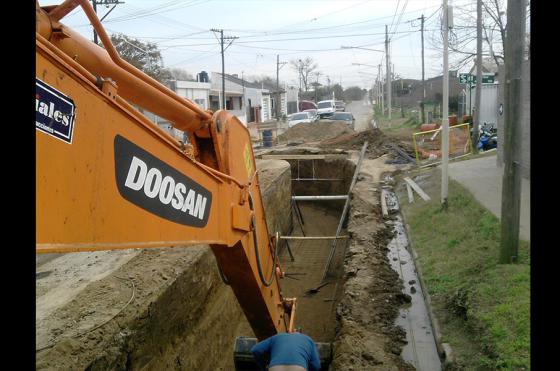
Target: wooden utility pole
381	91
388	72
222	38
478	95
278	97
94	3
511	181
423	80
445	108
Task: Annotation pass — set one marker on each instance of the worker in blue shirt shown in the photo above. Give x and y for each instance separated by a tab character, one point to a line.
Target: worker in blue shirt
288	352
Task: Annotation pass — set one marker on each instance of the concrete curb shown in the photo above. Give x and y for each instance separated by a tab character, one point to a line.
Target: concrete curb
444	349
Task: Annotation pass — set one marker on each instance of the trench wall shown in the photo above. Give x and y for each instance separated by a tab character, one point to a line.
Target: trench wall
183	316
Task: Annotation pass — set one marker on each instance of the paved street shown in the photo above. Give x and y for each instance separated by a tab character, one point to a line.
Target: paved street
483	178
362	112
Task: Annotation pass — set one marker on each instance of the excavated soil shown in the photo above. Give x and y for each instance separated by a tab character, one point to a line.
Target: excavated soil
314	132
378	143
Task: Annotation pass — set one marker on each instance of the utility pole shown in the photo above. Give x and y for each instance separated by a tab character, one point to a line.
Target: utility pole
300	64
511	181
445	108
222	38
476	121
107	3
423	80
388	72
278	99
382	92
94	3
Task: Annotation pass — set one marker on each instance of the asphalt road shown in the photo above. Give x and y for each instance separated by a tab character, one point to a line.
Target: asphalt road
363	113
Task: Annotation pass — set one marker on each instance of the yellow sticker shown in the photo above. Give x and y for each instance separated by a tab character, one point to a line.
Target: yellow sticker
248	160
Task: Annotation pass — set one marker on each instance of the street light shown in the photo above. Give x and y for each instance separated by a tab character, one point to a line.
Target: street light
358	47
361	64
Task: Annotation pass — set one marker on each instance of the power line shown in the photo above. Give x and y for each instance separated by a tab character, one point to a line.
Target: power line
307	38
222	38
399	20
396	11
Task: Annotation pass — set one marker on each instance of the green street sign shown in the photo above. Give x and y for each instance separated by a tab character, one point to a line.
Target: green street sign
467	78
464	78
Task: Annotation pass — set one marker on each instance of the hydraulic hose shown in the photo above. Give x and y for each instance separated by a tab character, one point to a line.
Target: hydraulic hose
265	282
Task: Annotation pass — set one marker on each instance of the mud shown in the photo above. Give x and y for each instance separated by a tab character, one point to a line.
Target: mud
367	338
315	313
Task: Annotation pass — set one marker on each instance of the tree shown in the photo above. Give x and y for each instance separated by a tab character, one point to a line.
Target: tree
304	67
354	93
144	56
338	91
462	38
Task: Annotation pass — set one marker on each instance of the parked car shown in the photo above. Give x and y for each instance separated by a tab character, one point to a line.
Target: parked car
313	113
347	117
306	104
326	108
299	117
340	105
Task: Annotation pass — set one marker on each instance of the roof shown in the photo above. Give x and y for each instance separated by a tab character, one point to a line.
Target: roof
488	66
239	81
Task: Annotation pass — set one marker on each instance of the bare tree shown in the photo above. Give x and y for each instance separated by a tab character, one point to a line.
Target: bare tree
305	68
462	38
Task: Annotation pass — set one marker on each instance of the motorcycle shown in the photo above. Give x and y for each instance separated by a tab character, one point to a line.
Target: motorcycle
487	138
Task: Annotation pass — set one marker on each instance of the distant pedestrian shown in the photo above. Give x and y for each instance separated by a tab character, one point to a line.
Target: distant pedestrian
287	352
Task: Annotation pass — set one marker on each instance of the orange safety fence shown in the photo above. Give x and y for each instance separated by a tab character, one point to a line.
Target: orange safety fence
427	144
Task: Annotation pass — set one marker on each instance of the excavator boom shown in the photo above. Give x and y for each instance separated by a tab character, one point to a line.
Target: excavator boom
109	178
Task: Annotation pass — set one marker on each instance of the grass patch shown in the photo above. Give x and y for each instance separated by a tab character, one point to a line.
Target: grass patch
483	305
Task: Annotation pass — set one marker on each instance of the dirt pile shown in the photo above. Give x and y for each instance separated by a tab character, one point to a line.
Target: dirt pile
378	144
315	132
367	338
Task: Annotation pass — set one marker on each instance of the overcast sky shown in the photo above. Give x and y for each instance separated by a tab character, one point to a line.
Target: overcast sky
294	29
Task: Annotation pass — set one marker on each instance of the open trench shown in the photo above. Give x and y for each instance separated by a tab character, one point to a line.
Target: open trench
184	318
316	315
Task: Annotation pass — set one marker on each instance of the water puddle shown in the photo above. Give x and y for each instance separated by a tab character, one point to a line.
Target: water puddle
421	350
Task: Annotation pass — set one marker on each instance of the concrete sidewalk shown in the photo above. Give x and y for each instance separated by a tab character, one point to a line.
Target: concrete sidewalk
483	178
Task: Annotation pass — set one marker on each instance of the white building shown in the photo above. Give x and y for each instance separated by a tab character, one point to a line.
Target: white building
488	94
198	92
250	102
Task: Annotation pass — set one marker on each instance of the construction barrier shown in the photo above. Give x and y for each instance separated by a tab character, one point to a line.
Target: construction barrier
427	144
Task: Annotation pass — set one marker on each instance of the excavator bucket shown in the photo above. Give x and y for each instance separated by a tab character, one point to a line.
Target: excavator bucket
243	358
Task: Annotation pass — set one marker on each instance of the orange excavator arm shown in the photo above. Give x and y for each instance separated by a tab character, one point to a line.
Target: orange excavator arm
108	178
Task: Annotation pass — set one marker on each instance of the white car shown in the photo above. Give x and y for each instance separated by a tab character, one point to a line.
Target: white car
326	108
313	113
299	117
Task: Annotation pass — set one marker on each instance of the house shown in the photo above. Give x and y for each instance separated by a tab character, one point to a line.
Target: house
250	102
274	95
234	91
292	99
409	92
489	66
198	92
